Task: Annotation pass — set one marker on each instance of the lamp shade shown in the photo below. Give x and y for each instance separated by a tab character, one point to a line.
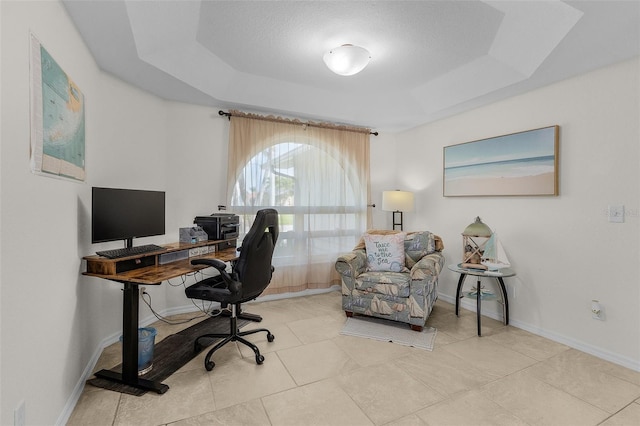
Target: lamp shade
400	201
477	229
347	59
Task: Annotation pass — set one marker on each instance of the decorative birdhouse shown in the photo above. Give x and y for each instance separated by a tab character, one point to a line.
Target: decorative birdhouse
474	238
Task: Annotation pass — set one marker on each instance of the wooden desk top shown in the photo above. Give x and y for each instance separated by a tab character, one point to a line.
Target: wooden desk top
155	273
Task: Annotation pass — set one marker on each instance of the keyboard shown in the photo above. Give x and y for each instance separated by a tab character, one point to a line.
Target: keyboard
131	251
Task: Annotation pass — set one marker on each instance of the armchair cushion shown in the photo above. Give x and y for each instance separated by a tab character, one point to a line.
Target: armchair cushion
385	252
384	282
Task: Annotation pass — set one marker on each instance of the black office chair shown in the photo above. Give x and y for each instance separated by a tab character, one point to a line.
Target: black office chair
250	275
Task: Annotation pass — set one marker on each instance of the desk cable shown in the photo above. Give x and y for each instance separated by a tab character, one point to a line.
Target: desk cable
207	311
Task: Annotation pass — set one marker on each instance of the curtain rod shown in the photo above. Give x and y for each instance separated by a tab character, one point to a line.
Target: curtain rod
308	123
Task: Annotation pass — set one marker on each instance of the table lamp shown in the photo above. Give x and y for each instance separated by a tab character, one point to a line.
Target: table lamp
474	238
397	202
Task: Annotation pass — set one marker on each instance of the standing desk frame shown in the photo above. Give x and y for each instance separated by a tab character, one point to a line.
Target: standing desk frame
133	271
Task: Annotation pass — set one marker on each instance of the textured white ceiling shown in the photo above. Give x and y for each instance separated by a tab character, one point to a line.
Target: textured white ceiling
430	59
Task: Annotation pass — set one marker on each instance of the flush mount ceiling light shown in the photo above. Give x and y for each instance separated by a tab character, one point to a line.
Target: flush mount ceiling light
347	59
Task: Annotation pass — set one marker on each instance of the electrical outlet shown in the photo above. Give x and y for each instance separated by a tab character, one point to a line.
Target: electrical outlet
142	290
596	310
20	415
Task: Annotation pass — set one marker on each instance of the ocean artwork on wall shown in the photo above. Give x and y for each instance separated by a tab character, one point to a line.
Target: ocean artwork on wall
524	163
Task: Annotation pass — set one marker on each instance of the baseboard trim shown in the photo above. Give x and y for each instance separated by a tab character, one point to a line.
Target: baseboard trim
601	353
308	292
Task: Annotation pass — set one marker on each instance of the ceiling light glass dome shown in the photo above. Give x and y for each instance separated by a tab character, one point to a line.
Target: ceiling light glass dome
347	59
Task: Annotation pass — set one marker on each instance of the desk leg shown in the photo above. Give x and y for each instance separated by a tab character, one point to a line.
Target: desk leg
129	375
458	290
479	307
505	299
131	300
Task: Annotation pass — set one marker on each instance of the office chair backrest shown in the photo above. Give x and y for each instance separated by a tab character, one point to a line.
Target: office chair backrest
253	267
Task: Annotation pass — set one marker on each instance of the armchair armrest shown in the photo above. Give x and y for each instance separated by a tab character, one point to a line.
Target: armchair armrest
429	266
352	264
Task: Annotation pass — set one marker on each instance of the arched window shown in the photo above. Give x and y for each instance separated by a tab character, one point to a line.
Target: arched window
317	184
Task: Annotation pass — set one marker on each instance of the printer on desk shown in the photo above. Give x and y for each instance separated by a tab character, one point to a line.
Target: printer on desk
220	226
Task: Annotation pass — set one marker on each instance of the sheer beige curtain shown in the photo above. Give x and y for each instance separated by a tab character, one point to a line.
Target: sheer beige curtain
316	176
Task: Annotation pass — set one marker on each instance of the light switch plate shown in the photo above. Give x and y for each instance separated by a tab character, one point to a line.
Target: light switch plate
616	214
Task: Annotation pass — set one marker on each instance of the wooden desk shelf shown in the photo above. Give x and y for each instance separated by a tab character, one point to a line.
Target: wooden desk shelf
146	269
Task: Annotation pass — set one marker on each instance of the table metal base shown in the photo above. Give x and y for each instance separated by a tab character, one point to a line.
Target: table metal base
503	291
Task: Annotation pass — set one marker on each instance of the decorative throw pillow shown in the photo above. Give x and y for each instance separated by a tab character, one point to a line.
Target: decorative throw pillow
385	252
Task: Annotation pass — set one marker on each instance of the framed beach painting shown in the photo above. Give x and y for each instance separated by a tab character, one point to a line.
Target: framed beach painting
524	163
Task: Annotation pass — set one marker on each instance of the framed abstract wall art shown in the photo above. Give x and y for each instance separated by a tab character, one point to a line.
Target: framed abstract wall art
524	163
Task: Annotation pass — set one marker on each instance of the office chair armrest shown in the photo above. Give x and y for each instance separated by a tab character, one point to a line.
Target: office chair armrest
233	285
214	263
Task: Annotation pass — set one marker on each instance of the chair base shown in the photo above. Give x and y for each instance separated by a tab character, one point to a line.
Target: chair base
243	315
234	335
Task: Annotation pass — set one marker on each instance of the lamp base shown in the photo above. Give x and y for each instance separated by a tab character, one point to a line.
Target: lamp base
394	220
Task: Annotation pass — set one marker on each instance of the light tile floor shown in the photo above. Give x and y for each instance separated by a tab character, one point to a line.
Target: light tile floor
312	375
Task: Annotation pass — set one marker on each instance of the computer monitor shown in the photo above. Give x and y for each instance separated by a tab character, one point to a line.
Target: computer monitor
125	214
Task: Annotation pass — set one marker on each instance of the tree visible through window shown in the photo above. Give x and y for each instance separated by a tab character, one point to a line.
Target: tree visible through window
316	216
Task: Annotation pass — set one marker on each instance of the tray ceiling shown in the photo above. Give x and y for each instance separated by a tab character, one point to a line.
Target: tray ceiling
430	59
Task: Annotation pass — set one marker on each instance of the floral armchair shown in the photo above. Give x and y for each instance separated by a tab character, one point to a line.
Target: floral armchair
375	283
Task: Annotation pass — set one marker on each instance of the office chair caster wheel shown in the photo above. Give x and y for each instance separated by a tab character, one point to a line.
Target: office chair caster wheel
270	337
259	359
209	365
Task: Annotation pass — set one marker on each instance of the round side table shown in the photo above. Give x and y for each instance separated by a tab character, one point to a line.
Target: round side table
479	274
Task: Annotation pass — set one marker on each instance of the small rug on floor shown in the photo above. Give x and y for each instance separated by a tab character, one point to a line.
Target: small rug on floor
389	331
171	353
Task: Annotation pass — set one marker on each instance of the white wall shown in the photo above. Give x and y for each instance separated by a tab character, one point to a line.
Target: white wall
54	320
41	350
563	248
1	223
197	139
384	175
